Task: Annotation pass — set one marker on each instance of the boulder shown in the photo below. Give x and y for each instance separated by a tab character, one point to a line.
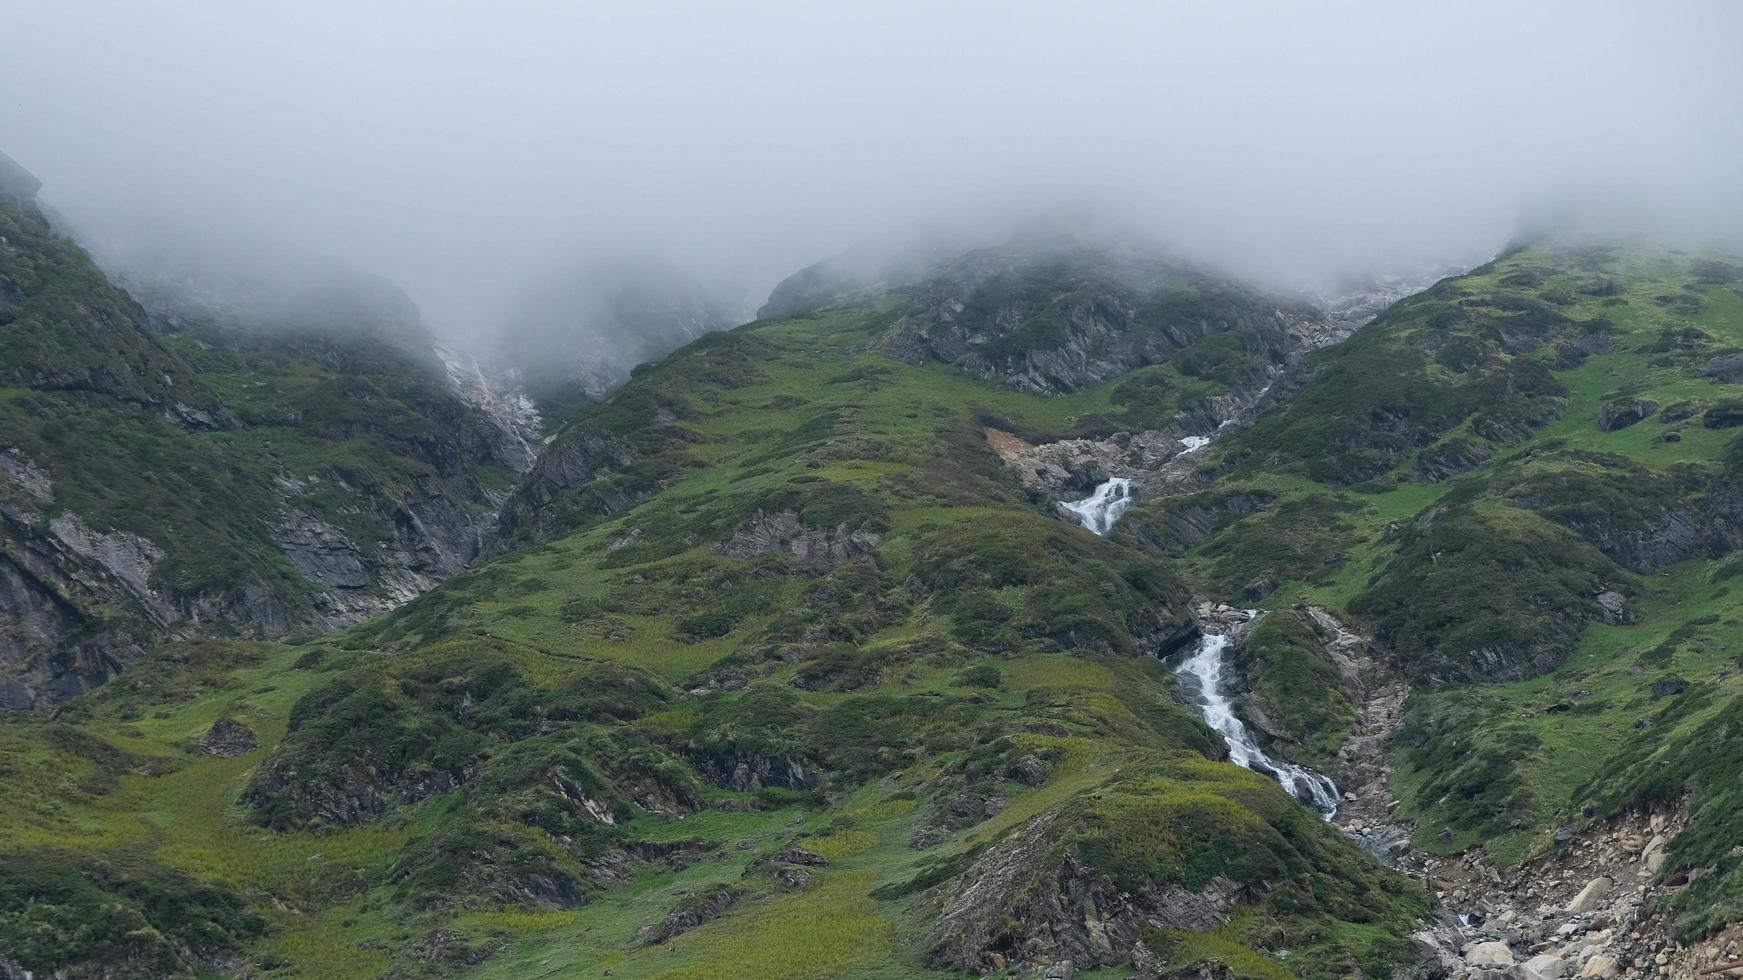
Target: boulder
1591	896
1622	414
1543	966
1490	955
1652	855
1602	965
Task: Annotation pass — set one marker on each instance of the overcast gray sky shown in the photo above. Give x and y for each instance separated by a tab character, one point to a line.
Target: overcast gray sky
455	146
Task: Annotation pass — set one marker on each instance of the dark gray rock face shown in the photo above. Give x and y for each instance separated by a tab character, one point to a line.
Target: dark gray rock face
1727	368
64	594
818	548
1621	415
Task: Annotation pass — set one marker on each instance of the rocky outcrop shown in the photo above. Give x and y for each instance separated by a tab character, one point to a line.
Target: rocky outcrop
1074	466
69	599
229	738
691	911
749	772
579	466
349	796
1027	900
818	548
1622	414
1054	316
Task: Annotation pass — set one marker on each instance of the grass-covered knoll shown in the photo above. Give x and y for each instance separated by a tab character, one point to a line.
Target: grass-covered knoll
775	592
1294	690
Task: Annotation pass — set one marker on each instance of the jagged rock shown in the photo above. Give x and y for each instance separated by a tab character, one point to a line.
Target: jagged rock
1030	771
1653	855
1620	415
1489	955
1614	606
748	773
1543	966
228	737
819	549
1590	897
692	911
1601	966
322	552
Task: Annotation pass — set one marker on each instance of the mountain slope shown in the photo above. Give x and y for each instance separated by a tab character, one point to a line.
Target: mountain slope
1525	480
177	475
788	661
782	669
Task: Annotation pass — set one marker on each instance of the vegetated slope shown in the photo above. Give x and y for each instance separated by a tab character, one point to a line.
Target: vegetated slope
782	672
171	476
1527	481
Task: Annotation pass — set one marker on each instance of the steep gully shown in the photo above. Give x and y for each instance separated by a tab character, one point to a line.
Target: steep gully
1203	672
1584	910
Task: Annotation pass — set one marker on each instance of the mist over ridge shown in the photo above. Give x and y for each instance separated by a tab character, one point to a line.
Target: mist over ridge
463	151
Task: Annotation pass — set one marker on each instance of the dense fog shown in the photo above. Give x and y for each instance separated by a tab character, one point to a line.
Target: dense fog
474	153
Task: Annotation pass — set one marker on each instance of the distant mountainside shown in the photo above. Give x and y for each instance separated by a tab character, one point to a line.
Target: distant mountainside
587	324
180	470
1031	611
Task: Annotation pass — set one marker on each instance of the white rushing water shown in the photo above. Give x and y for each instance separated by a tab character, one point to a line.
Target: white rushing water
1203	671
1101	509
1194	443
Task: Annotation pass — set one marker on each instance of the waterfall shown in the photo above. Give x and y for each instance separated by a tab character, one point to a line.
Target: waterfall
1203	673
1101	509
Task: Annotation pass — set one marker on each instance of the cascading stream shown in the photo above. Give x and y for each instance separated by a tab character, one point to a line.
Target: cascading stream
1101	509
1203	671
1203	674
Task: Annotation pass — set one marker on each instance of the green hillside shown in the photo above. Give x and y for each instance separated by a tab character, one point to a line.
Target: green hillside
208	475
778	669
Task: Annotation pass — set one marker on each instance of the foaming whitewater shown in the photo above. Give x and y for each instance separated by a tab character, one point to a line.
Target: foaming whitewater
1101	509
1204	671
